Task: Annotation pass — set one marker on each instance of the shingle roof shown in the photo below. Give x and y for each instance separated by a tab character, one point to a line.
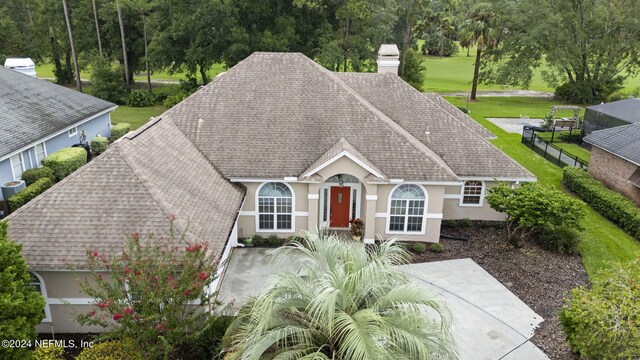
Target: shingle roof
622	141
137	185
275	114
31	109
626	109
342	146
455	137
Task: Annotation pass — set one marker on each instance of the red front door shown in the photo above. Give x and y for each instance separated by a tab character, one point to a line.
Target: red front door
340	200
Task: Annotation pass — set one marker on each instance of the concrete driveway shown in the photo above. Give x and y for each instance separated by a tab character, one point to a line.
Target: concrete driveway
489	322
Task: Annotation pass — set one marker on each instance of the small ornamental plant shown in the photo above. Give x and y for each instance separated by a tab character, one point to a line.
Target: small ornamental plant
153	292
357	226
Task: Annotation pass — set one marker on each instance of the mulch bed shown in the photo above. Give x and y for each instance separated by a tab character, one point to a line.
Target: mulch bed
538	277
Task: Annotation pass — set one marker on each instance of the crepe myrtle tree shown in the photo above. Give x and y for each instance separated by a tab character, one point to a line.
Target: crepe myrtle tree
153	292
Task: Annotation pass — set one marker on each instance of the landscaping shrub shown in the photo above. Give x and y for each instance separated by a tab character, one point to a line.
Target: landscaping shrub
559	239
586	92
274	240
605	201
573	137
532	207
119	130
258	240
65	161
28	193
99	145
111	350
48	353
437	247
174	99
140	98
32	175
604	322
464	109
106	81
419	247
206	345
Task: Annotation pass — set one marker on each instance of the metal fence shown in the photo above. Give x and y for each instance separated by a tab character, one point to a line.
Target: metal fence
549	151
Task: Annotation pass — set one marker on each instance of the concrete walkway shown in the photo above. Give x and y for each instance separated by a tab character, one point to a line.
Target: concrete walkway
489	322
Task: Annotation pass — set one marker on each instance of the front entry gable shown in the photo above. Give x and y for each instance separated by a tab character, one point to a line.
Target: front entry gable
333	157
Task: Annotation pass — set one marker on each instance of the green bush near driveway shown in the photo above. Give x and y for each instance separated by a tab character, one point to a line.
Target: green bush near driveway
65	161
604	322
30	192
32	175
605	201
437	247
419	247
99	145
119	130
111	350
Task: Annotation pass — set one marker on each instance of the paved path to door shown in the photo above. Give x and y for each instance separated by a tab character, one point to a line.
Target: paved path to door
489	322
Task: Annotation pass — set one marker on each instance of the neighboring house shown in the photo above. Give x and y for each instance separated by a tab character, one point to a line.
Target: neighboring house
277	143
38	118
615	159
609	115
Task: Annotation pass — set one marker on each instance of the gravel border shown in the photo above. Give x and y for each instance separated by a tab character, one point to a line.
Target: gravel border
538	277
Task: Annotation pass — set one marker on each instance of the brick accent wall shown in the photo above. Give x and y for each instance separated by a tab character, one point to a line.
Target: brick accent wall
614	172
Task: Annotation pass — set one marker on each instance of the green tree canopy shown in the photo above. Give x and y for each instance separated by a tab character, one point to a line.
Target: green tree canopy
21	307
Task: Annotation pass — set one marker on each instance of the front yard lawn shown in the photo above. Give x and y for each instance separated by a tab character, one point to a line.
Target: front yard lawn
602	241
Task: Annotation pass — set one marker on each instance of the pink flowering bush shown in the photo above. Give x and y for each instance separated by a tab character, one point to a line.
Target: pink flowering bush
154	292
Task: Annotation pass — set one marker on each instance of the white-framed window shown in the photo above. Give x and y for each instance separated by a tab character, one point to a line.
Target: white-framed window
41	152
38	284
472	193
17	165
73	131
275	207
407	204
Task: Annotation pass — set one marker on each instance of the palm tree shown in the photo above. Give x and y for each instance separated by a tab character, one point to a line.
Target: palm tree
478	30
347	302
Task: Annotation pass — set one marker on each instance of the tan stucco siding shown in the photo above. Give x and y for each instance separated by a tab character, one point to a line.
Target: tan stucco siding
452	209
64	320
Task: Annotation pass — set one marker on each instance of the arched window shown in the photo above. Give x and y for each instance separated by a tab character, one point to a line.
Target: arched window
38	285
275	207
406	209
472	193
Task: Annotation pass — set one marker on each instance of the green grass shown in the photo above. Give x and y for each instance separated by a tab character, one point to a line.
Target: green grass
454	74
573	149
46	71
135	116
602	241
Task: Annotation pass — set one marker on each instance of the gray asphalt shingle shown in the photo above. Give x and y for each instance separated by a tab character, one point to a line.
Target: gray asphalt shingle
31	109
623	141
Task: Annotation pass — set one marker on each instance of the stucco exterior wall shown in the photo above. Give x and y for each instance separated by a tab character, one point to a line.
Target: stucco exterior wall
614	172
65	300
453	210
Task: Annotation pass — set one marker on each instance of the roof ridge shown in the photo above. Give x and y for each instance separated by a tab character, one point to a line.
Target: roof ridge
419	145
155	194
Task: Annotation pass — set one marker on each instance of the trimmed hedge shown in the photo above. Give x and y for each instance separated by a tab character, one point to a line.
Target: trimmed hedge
99	145
111	350
605	201
65	161
30	192
32	175
119	130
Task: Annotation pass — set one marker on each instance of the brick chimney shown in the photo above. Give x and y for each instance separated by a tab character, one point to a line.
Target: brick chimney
388	59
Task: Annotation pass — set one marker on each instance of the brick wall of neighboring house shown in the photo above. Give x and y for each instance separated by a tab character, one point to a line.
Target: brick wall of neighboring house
614	172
